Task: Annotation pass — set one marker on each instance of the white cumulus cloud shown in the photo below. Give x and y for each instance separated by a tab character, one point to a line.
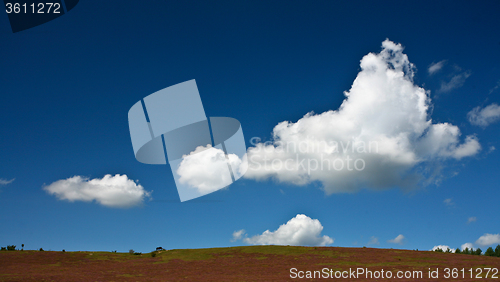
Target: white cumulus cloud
206	169
443	247
469	246
111	191
488	239
435	67
398	240
484	116
380	137
298	231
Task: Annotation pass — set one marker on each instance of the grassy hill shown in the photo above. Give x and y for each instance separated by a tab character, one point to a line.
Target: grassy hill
251	263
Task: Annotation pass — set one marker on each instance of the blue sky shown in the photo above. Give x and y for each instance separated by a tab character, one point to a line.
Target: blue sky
67	86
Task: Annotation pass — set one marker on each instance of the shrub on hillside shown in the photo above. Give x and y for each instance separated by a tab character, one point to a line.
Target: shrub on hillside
11	248
3	249
131	251
489	252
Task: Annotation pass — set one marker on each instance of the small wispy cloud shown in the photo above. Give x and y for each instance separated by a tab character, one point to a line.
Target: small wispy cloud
5	182
435	67
398	240
496	87
448	202
456	81
471	219
373	241
484	116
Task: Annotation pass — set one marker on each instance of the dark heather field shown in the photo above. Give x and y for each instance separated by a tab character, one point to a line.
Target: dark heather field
254	263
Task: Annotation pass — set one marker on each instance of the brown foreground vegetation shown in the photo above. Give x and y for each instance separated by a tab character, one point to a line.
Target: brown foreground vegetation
253	263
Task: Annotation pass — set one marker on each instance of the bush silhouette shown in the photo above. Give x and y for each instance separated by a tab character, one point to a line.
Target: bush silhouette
497	251
489	252
11	248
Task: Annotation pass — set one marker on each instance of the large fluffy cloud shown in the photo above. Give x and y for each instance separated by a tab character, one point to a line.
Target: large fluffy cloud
111	191
380	137
298	231
206	169
484	116
488	239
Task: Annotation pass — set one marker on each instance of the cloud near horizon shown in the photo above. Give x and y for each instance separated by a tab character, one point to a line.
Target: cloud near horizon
380	137
298	231
443	247
373	241
112	191
398	240
469	246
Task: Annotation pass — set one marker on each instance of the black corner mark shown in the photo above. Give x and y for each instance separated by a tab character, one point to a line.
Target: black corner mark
25	14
